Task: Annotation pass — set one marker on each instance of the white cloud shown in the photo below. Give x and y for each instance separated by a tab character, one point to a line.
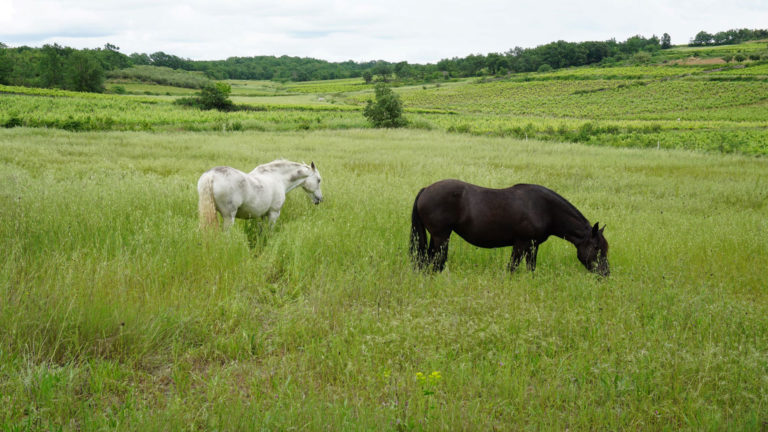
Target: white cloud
339	30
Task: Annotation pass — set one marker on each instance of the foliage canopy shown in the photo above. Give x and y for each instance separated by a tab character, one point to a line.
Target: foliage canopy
211	96
387	109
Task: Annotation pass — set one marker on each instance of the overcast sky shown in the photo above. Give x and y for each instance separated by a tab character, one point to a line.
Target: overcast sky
394	30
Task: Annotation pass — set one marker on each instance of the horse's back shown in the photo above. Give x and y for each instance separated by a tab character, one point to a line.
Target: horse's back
225	181
488	217
442	200
235	192
469	210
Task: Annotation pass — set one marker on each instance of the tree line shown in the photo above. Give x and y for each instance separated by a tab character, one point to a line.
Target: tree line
554	55
729	37
54	66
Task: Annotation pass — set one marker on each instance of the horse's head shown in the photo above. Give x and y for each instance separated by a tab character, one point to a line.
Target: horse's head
593	252
312	185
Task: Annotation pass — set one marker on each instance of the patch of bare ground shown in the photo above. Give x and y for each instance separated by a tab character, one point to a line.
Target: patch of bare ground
699	61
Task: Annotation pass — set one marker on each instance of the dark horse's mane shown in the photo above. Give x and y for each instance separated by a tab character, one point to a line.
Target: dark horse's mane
567	204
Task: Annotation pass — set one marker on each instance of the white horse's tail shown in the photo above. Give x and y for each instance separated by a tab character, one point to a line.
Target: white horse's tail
206	206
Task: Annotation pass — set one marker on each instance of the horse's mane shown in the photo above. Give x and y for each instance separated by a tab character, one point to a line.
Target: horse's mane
276	164
565	203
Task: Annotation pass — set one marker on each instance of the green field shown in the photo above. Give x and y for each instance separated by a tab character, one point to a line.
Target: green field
117	313
717	108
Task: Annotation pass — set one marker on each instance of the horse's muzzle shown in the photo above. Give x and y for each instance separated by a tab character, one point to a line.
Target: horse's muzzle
603	269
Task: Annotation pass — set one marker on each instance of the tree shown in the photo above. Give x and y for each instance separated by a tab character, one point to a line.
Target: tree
216	96
83	73
702	38
386	110
382	70
402	70
52	66
367	77
111	58
666	41
211	96
168	60
140	59
496	63
6	66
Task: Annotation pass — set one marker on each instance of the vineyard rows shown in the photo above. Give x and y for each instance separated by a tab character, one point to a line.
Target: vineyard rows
695	107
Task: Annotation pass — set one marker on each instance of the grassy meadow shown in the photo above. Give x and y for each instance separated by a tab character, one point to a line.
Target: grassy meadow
118	314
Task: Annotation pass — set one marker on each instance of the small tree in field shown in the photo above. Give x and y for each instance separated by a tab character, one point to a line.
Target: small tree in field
386	110
216	96
211	96
666	41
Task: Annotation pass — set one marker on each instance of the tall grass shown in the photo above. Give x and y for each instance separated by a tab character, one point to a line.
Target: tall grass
117	313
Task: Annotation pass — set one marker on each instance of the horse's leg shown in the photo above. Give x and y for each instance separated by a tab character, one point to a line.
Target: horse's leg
438	250
530	256
517	256
272	216
228	220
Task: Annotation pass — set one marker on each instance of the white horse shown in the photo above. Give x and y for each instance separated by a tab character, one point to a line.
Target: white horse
261	192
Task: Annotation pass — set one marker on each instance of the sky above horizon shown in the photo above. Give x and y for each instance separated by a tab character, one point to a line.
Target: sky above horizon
340	30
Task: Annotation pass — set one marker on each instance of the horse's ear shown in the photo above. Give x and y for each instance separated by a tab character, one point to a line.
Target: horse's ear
602	229
595	230
312	164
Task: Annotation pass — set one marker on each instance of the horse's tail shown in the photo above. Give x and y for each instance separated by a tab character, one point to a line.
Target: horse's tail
206	207
418	236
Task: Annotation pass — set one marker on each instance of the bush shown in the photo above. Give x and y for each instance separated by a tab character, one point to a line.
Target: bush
386	110
641	57
212	96
216	96
13	122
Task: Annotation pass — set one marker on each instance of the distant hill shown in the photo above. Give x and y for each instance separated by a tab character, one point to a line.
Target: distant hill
54	66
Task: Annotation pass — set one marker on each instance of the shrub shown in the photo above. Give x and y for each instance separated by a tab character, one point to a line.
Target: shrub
12	122
216	96
386	110
641	57
211	96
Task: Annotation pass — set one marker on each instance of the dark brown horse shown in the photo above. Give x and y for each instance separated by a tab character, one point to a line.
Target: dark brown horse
522	216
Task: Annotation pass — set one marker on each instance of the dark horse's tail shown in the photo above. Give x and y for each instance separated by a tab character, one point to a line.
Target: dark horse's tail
418	236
